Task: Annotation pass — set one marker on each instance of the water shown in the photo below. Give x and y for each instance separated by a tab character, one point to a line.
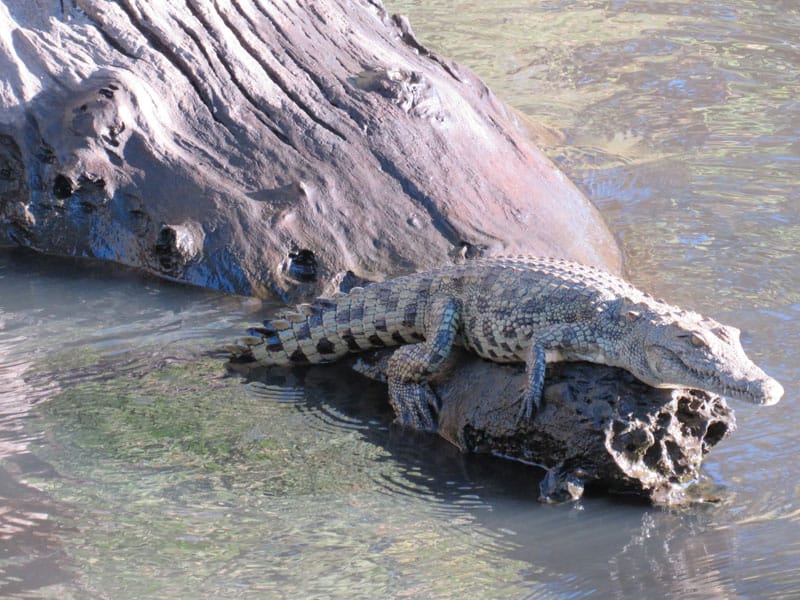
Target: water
131	466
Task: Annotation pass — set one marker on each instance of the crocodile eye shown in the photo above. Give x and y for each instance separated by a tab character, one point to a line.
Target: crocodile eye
728	335
697	341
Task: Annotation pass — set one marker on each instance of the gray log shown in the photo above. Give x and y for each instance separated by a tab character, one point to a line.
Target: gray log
264	147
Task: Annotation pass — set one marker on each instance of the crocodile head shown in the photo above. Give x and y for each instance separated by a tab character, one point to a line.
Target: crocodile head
695	352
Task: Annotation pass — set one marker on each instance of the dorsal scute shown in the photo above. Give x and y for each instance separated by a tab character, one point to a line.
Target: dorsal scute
308	309
326	303
280	324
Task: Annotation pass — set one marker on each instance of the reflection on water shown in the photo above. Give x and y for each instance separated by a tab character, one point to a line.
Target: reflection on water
132	466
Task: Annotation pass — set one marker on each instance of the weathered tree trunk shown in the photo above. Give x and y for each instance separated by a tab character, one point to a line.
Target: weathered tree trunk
264	147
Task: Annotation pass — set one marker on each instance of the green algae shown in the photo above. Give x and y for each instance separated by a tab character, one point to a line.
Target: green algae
188	415
177	480
175	415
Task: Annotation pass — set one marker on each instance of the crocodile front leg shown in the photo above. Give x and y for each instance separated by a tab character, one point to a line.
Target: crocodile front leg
561	340
411	366
534	382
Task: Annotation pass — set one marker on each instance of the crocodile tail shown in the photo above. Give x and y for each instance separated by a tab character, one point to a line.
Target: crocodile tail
327	329
305	335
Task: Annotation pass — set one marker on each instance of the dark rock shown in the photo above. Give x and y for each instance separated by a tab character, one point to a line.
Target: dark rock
598	426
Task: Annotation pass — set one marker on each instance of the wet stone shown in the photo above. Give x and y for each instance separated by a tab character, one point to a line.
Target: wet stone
598	426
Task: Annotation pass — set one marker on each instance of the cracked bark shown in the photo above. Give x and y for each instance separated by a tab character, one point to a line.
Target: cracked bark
259	130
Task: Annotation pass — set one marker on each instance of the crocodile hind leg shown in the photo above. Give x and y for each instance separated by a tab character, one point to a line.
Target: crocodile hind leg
411	366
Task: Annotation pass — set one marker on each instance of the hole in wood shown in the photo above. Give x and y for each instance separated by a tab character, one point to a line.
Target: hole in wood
303	266
62	186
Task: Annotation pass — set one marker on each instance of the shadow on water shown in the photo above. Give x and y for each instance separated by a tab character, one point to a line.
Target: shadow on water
333	397
63	325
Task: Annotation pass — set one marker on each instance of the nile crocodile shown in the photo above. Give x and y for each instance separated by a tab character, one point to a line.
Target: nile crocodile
511	310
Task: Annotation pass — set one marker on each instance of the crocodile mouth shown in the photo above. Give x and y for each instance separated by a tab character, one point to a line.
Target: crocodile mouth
760	389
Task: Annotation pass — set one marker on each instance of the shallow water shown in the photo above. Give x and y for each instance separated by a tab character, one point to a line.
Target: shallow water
131	466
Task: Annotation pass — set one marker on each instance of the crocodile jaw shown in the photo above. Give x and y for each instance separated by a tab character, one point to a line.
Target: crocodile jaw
748	382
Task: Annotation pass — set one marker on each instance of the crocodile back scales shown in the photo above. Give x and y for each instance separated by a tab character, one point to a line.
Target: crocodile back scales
503	302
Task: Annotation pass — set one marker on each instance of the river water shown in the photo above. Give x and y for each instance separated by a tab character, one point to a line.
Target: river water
131	466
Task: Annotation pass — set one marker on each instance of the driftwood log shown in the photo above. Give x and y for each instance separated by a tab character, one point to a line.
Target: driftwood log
264	147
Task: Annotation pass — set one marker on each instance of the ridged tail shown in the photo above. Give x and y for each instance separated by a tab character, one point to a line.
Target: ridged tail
325	330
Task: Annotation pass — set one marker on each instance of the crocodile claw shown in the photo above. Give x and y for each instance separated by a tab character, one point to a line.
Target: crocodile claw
529	406
414	404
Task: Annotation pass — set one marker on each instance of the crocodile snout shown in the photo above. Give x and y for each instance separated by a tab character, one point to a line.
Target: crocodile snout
769	392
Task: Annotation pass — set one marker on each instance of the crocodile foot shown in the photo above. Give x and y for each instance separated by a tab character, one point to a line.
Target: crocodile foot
415	404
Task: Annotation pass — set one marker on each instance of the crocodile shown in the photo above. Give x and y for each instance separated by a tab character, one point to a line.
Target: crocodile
511	310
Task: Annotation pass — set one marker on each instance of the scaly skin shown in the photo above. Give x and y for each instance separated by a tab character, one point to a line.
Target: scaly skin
512	310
